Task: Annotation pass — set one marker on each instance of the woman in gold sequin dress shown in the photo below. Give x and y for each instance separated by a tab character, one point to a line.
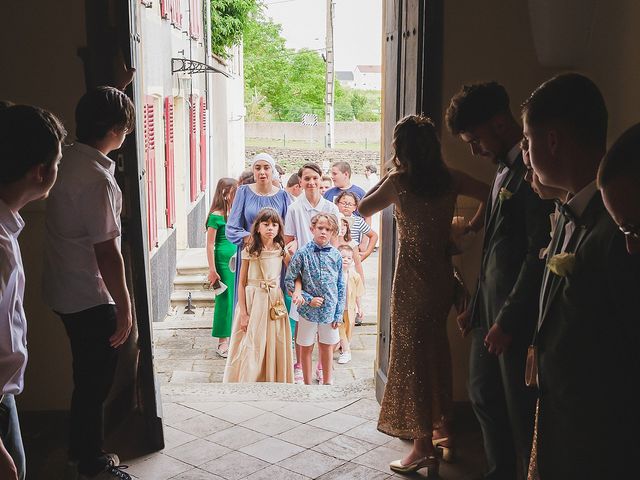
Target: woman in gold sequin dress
418	394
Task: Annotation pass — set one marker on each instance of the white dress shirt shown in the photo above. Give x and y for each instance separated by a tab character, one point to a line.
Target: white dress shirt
298	221
83	209
13	323
499	180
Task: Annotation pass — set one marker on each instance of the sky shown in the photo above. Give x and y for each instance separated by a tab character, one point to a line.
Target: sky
357	28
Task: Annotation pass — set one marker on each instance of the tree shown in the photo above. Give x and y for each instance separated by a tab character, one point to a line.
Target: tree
228	22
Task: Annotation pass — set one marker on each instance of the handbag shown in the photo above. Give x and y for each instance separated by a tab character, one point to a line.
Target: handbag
277	308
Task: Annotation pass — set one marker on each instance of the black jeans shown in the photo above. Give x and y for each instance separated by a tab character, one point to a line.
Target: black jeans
94	365
503	404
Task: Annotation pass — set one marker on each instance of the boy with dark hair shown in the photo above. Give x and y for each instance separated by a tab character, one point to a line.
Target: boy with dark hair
84	270
587	333
619	182
293	187
503	311
30	141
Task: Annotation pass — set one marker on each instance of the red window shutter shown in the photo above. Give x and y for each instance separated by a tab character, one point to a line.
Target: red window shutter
195	18
179	13
193	121
164	8
150	166
169	162
203	144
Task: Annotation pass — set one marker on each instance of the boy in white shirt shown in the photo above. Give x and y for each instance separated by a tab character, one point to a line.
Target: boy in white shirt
30	141
297	227
84	269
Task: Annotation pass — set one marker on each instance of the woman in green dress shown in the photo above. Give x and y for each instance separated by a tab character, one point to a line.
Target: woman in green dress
219	252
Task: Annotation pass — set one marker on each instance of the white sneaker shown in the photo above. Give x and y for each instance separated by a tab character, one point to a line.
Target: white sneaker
345	357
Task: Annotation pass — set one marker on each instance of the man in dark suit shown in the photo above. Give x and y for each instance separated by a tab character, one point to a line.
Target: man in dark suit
588	329
503	311
619	182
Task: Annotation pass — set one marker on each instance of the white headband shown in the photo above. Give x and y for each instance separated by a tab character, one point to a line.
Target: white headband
265	157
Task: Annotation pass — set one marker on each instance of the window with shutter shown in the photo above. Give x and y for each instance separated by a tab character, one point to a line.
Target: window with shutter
164	8
193	166
203	144
195	19
169	162
176	13
150	167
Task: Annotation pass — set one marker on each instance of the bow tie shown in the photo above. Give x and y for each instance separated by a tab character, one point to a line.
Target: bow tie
568	213
319	249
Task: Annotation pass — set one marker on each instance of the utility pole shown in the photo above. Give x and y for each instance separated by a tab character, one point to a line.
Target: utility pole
330	79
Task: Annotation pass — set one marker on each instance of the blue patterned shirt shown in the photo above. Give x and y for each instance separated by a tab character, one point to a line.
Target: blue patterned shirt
321	274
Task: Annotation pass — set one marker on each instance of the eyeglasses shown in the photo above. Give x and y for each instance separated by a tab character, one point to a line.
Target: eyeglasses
631	231
345	204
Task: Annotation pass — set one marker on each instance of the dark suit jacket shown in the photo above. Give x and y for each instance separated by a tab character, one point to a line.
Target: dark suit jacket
511	270
588	343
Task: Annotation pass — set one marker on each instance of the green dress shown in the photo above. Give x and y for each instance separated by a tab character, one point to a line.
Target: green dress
224	250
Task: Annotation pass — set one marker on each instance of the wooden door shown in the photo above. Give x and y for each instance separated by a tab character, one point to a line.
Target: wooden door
411	84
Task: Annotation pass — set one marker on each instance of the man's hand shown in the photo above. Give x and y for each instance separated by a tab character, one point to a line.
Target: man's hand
8	469
123	327
316	302
497	341
464	322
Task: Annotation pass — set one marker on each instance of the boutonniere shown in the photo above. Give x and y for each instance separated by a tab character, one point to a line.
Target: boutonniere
562	263
504	194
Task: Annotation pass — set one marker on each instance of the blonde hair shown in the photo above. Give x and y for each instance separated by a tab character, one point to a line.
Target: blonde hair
331	219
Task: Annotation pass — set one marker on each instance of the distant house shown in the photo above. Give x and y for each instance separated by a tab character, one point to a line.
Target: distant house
345	78
367	77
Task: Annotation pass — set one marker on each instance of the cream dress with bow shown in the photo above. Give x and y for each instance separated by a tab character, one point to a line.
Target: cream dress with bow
263	353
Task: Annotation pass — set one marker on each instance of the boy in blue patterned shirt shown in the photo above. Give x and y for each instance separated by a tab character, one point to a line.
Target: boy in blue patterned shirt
320	296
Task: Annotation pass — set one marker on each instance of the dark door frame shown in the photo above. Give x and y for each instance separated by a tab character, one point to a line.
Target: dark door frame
133	411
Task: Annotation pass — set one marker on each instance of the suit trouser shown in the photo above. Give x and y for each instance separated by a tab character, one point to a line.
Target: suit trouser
10	433
503	404
94	365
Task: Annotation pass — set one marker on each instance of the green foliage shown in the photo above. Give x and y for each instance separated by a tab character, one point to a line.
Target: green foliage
228	21
285	84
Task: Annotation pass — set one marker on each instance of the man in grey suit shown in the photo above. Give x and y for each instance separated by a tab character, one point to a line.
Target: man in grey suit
504	308
619	182
588	329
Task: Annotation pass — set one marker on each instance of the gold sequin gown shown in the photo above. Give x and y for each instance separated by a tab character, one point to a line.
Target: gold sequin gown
418	393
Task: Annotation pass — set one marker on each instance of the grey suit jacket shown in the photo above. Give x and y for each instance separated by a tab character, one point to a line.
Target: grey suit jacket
588	341
511	271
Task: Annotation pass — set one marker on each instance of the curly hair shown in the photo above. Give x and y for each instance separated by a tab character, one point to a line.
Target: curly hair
418	157
474	105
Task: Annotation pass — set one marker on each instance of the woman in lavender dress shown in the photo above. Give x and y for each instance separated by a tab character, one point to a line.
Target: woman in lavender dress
250	199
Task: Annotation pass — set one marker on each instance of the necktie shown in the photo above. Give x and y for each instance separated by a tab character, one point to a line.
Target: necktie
319	249
567	212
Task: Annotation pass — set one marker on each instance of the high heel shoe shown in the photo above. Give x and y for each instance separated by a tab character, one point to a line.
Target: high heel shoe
444	448
431	463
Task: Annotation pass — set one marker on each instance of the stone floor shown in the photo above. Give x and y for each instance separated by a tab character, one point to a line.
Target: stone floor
293	432
217	431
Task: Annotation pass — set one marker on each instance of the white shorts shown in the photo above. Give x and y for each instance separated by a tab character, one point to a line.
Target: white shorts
307	332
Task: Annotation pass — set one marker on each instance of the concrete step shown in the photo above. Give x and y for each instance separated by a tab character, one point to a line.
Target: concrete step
192	261
189	282
199	298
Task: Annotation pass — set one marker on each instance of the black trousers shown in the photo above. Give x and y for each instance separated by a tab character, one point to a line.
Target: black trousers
504	406
94	366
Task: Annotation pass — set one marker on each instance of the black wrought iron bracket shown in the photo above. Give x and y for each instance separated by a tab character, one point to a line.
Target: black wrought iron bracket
192	66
